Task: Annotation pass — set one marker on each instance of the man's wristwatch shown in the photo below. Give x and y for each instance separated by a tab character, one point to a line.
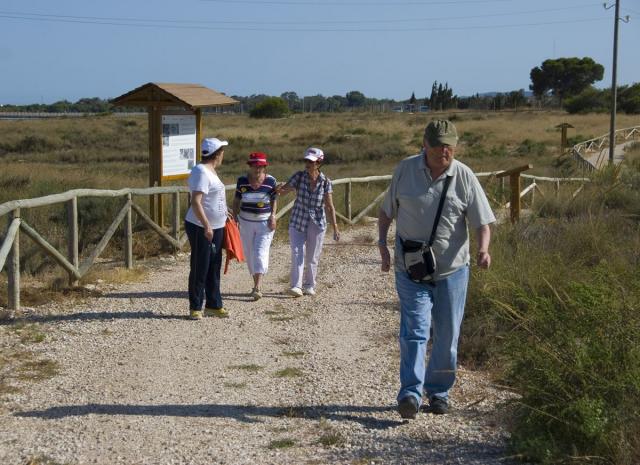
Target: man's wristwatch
382	242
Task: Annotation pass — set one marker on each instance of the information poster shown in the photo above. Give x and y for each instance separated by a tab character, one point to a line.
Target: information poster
178	144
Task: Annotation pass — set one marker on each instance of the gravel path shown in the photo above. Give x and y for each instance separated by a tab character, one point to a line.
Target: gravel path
311	380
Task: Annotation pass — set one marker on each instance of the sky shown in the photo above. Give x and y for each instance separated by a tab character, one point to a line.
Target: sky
53	50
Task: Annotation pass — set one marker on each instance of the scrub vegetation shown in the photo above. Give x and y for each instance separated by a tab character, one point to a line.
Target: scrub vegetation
556	318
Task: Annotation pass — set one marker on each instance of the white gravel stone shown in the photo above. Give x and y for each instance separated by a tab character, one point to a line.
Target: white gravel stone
139	383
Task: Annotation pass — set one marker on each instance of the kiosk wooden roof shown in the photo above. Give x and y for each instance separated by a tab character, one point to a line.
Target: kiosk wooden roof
192	96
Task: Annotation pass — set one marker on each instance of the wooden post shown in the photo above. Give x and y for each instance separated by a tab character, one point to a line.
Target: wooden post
152	159
563	136
175	224
347	200
13	270
514	182
128	237
557	188
198	134
155	162
72	240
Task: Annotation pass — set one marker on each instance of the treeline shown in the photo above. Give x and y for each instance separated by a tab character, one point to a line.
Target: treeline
84	105
440	98
599	100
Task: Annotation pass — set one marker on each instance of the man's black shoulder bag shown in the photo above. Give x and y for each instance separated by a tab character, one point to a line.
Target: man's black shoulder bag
419	259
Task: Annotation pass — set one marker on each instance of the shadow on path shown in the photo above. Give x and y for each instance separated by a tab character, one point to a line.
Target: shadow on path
96	316
242	413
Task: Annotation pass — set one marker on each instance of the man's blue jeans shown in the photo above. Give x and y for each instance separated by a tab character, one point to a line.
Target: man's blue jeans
442	303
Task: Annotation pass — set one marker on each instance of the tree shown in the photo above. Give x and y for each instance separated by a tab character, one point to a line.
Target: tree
413	99
355	99
271	107
630	98
565	77
292	100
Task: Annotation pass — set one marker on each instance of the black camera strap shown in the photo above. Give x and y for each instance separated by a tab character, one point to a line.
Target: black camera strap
439	212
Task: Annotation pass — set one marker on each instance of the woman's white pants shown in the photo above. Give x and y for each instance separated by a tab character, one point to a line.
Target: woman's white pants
256	240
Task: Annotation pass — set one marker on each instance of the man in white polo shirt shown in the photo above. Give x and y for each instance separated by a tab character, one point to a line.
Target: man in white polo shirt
436	299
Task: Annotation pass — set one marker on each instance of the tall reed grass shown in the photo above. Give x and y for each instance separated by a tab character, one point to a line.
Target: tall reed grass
557	320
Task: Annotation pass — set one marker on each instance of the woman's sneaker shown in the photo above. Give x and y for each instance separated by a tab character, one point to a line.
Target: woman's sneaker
308	291
256	294
195	314
217	312
295	291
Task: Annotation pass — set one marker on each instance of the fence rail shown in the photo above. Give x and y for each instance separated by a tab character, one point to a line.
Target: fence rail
581	150
76	267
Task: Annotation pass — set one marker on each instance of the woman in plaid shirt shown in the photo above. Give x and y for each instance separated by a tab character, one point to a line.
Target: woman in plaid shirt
308	221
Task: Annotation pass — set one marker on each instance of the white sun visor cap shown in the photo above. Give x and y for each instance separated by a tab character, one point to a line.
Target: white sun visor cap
313	154
209	146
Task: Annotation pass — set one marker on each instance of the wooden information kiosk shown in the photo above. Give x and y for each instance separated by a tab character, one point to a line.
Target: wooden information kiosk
175	129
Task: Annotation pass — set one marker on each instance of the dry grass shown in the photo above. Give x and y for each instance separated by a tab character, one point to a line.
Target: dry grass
49	156
289	372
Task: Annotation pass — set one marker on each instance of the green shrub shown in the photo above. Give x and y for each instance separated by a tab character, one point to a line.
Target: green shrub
630	99
557	318
589	100
529	147
272	107
30	144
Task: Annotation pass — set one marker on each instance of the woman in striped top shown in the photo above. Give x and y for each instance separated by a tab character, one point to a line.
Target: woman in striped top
254	206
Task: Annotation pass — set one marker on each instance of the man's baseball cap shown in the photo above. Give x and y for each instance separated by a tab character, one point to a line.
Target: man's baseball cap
313	154
258	159
211	145
441	132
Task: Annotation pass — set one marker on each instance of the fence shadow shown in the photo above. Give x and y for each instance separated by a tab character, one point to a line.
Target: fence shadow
242	413
95	316
148	295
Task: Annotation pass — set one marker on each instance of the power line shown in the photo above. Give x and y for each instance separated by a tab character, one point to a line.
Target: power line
305	29
248	21
363	3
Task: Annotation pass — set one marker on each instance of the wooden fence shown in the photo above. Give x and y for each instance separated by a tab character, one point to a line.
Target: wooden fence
76	267
580	152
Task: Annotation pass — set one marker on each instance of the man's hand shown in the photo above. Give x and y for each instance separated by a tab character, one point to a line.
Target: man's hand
385	257
272	222
483	259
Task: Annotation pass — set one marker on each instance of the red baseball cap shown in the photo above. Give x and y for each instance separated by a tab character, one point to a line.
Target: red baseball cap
258	159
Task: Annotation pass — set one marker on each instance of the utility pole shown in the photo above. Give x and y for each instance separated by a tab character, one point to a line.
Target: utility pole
614	90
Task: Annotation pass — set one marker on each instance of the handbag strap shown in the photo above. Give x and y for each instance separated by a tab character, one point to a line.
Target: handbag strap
439	212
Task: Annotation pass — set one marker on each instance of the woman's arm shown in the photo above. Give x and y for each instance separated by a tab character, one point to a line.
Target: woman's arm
331	213
196	204
235	207
284	188
272	218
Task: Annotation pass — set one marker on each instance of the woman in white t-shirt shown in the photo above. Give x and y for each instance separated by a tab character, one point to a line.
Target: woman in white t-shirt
204	224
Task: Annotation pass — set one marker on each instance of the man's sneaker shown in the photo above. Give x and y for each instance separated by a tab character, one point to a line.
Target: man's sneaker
217	312
295	291
408	407
438	406
308	291
195	314
256	294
